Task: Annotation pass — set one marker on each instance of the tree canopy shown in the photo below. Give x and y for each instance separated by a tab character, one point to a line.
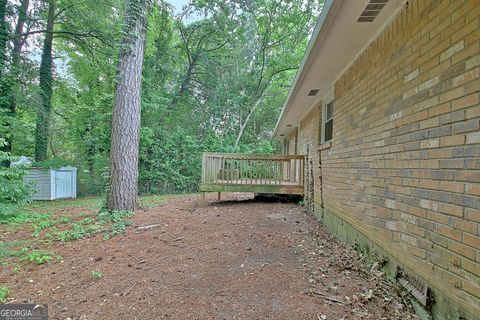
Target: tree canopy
215	76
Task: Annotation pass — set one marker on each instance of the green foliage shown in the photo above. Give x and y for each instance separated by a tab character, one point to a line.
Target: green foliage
45	88
59	225
151	201
23	250
110	223
4	291
75	232
65	228
39	256
105	216
12	249
54	163
117	220
215	78
118	227
18	218
97	274
13	191
17	268
42	225
93	203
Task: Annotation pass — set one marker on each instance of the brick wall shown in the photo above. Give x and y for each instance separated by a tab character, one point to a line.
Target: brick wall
404	163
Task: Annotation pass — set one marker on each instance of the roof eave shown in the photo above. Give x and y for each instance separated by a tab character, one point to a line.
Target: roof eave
320	26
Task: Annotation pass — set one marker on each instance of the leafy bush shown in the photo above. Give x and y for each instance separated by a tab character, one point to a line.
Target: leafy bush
4	291
13	191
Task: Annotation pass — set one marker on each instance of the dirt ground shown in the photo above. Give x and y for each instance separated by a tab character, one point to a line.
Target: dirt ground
234	259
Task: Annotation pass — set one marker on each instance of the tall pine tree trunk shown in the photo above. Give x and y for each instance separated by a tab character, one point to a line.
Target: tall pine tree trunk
123	191
46	79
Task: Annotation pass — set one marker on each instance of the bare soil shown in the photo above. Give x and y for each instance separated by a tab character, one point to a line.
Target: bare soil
235	259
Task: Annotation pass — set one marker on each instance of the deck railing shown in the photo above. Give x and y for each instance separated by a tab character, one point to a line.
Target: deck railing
247	169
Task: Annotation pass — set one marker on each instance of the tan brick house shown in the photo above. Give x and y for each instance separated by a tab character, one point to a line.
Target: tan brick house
385	107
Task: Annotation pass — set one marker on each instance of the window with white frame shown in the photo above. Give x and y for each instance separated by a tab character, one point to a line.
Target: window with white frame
327	122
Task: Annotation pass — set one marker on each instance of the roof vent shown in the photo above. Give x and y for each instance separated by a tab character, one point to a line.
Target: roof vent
313	92
372	10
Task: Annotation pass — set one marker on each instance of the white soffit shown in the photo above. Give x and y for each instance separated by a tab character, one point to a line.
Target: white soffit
336	42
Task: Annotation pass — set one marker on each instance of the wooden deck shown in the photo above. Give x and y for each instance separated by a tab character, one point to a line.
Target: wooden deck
277	174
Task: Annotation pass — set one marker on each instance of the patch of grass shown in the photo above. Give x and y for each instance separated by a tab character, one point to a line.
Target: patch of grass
24	252
118	222
19	218
106	216
90	203
13	249
48	224
152	201
110	223
39	256
118	227
4	291
78	231
97	274
86	221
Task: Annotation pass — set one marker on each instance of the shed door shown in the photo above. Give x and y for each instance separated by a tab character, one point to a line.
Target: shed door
63	184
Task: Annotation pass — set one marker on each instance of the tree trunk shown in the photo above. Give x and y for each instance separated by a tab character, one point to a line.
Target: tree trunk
185	83
123	191
3	82
10	87
3	35
247	120
18	42
46	79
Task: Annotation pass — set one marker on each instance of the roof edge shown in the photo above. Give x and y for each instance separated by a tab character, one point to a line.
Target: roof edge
318	27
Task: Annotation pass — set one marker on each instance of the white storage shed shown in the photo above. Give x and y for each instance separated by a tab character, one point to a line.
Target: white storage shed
52	184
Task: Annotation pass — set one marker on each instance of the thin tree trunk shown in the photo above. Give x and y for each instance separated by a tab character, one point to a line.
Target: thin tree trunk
247	120
46	79
185	83
3	82
18	42
123	191
3	35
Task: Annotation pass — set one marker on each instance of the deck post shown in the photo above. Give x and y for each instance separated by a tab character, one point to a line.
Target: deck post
219	195
202	199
